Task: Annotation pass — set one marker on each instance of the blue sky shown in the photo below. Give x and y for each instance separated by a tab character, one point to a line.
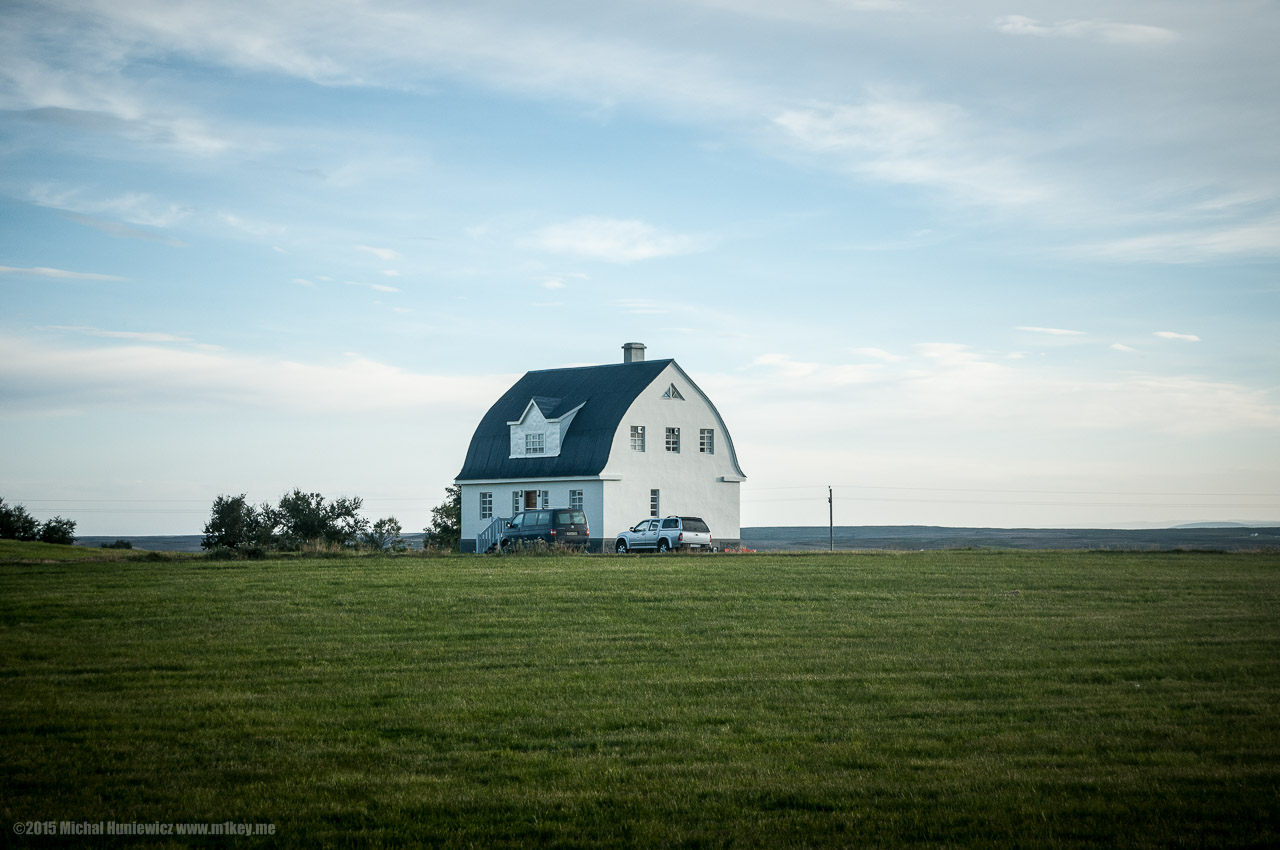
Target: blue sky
978	263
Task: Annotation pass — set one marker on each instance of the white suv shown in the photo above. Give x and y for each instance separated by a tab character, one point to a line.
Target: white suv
661	535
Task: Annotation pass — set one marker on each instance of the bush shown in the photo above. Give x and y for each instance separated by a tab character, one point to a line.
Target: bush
445	531
119	544
384	536
58	530
17	524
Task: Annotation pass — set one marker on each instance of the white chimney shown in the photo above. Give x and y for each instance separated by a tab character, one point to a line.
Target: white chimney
633	352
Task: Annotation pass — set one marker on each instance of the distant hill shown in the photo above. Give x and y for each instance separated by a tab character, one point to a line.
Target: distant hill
809	538
1214	536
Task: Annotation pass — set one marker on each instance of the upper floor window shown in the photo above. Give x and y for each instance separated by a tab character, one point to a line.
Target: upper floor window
534	444
673	439
707	441
637	438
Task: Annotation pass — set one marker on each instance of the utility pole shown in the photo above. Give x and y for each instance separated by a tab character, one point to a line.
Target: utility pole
831	521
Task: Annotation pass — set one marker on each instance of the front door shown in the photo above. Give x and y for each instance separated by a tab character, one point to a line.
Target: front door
530	500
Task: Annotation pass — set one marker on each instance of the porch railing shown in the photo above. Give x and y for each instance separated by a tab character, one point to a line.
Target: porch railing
491	535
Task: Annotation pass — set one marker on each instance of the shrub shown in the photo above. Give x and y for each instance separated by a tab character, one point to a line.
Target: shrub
17	524
119	544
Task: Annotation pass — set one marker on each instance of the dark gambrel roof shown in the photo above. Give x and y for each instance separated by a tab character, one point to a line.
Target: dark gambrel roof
608	392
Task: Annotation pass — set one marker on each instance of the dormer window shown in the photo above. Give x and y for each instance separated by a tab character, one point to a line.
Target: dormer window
540	431
673	393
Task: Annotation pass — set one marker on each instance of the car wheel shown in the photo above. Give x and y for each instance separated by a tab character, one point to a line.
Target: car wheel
663	545
621	548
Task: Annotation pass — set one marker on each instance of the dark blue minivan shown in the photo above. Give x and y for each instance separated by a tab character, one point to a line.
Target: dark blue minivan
553	525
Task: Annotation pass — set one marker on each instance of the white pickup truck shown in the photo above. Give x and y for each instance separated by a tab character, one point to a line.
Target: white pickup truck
661	535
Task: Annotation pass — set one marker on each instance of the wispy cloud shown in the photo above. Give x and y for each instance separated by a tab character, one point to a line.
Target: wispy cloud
133	207
187	134
381	253
1260	239
42	377
612	240
61	274
1051	331
878	354
121	231
376	287
1120	346
136	336
641	306
926	143
973	393
1096	29
1177	336
820	374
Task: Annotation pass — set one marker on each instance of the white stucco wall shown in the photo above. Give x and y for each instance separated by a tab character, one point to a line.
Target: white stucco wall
558	490
689	481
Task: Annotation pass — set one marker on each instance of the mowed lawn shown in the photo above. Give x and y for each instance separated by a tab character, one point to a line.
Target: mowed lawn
935	698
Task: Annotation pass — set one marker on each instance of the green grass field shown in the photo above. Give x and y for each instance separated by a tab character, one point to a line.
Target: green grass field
937	698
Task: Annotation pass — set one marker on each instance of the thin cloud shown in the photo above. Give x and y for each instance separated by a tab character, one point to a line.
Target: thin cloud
376	287
1120	346
36	377
926	143
1261	239
381	253
641	306
878	354
1096	29
120	230
955	384
59	274
136	336
1177	336
133	207
611	240
1052	331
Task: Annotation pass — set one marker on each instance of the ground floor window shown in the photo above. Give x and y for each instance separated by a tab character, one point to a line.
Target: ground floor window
486	506
517	501
575	499
654	503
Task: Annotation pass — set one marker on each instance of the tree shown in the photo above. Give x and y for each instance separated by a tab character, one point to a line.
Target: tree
385	536
445	530
58	530
236	524
17	524
305	517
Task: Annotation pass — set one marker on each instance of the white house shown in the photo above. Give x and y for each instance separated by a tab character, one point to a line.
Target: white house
623	441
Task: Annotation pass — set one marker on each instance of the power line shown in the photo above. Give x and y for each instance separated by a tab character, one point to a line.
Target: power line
1033	492
1007	502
